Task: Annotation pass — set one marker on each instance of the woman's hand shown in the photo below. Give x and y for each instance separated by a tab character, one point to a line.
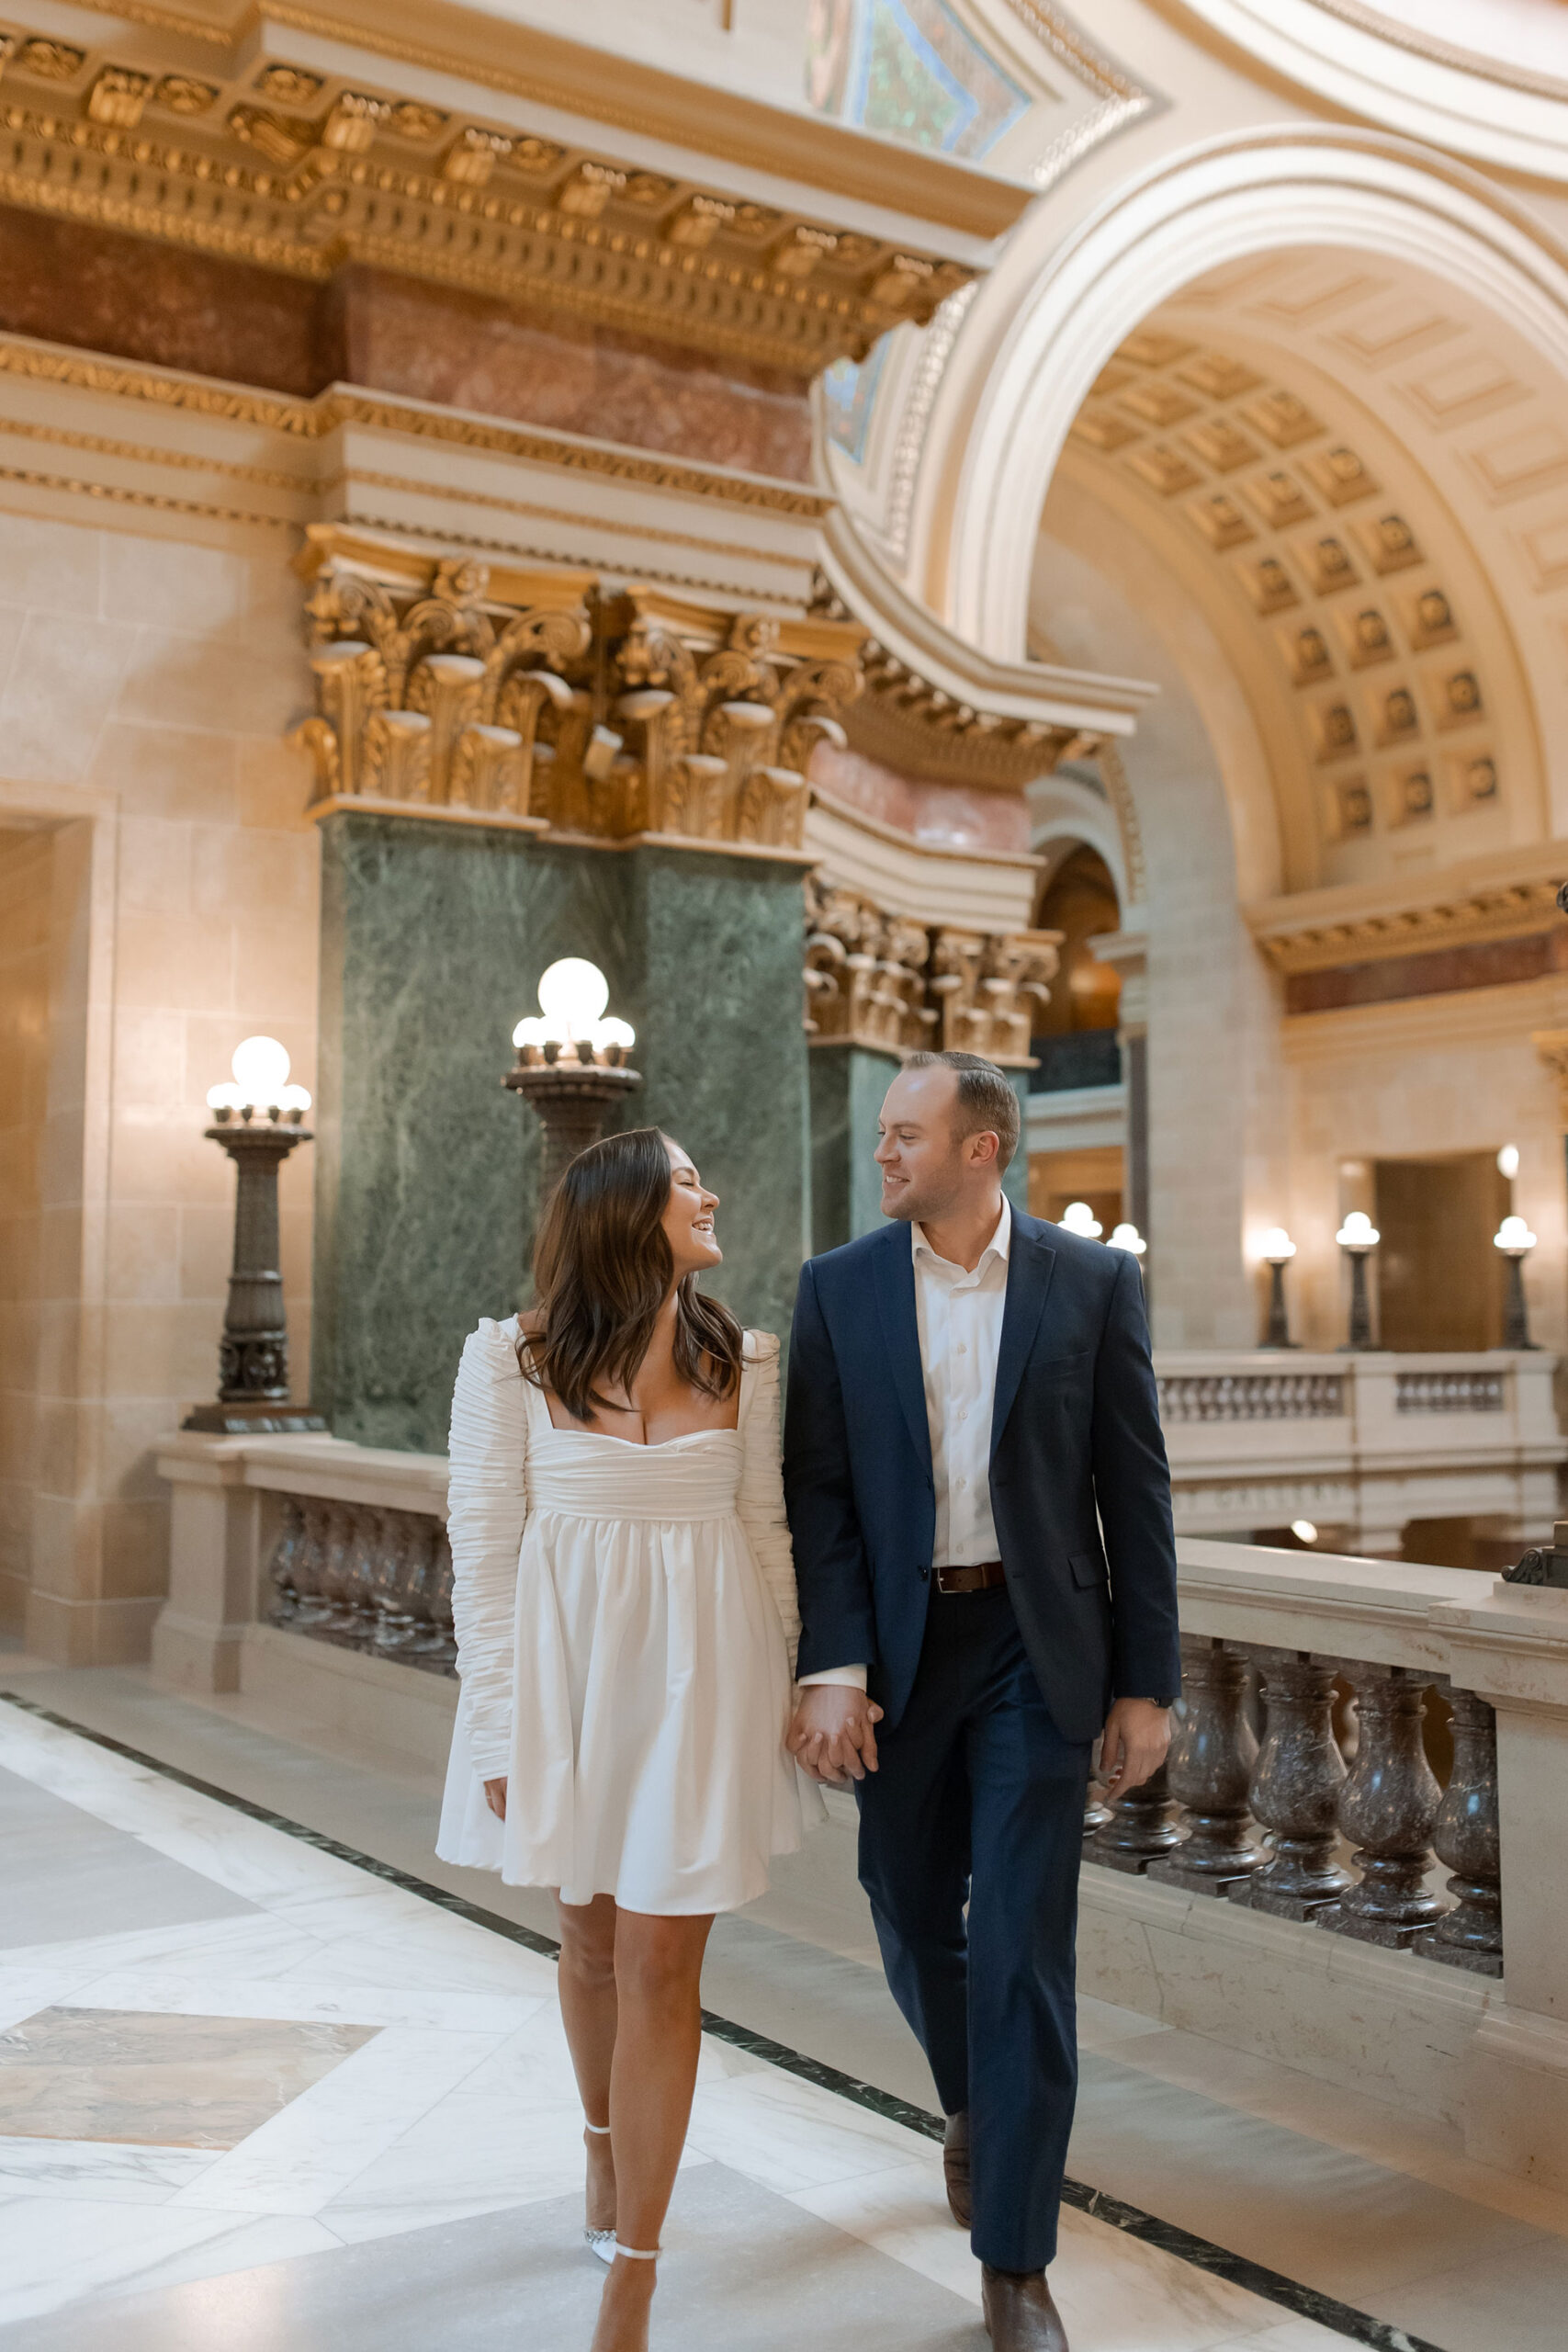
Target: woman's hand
495	1797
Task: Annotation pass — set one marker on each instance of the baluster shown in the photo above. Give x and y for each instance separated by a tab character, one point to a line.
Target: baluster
363	1577
406	1552
1387	1807
1095	1811
284	1566
1468	1839
311	1570
1141	1829
436	1651
1212	1753
340	1621
1295	1790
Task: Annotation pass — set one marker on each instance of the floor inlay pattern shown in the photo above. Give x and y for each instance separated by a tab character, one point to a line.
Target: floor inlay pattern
456	2108
165	2082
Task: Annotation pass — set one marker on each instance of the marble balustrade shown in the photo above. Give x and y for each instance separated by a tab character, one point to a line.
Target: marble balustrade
1301	1883
1361	1443
1333	1816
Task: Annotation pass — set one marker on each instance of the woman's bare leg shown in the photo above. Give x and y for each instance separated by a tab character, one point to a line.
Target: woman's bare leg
588	2013
658	1965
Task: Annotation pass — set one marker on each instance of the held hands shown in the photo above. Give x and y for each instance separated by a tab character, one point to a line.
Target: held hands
495	1797
833	1733
1132	1744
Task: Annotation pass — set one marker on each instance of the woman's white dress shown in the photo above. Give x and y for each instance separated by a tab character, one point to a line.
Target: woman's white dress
626	1623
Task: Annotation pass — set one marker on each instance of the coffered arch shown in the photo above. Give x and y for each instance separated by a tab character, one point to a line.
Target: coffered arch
1363	628
1041	332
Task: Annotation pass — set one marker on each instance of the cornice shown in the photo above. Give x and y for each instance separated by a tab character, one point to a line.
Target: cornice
299	171
624	92
1507	896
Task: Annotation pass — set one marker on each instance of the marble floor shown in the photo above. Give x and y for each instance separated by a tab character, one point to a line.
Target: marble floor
258	2093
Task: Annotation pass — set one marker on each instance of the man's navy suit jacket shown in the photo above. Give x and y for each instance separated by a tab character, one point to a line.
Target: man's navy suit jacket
1075	1450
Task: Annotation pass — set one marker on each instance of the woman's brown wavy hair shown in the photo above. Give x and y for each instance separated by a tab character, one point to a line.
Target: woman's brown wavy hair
603	1269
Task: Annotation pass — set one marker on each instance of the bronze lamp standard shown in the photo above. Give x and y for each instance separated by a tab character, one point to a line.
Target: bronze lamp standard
1277	1252
571	1062
1359	1237
1514	1240
257	1119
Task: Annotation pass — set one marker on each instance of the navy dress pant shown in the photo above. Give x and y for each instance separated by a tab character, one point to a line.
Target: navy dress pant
979	1799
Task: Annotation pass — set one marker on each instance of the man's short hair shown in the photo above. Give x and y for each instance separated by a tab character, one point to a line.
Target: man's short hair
986	1102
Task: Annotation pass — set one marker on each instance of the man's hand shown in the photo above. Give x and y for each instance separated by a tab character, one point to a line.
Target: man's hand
495	1797
1132	1744
833	1733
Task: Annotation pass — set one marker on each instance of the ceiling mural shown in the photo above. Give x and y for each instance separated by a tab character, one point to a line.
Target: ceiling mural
1392	709
912	70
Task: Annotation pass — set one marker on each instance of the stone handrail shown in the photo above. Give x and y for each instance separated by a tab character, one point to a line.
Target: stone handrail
1362	1443
1299	1788
1305	1816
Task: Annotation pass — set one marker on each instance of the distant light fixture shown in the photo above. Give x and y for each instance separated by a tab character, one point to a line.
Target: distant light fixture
1508	1161
1128	1237
1514	1240
258	1119
1277	1250
1079	1218
1359	1237
1303	1530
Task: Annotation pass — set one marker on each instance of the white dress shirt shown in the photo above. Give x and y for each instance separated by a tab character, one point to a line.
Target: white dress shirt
959	1315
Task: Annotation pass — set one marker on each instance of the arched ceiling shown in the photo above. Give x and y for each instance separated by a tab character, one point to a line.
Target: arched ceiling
1261	433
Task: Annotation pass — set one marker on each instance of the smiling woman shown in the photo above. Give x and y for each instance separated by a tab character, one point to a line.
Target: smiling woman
625	1602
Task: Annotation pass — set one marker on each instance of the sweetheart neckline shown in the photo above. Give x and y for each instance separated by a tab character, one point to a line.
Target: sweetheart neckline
641	1445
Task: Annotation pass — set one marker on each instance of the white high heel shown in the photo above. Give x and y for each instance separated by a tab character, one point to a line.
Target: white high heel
600	2242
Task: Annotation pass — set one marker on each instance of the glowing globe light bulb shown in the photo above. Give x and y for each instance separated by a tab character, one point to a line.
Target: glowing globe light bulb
1508	1161
530	1031
1303	1530
572	997
226	1097
1513	1236
614	1033
295	1098
1128	1237
261	1070
1079	1218
1357	1232
1276	1248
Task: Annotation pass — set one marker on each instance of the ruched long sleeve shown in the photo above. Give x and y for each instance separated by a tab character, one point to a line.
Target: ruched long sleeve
760	1502
487	1503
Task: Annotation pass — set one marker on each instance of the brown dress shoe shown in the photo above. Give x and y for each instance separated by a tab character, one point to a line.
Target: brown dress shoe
1019	2314
955	2165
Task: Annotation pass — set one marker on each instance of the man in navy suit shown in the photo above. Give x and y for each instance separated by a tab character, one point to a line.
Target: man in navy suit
980	1507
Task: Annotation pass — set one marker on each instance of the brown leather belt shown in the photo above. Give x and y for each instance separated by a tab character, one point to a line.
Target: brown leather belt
983	1578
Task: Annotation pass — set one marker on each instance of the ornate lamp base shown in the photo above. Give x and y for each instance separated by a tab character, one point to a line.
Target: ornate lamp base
264	1417
573	1099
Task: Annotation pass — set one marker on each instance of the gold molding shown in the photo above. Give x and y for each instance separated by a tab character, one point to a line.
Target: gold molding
531	693
118	495
896	985
1471	915
313	420
504	214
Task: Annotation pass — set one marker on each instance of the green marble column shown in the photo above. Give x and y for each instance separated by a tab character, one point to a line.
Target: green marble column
433	939
848	1083
1015	1184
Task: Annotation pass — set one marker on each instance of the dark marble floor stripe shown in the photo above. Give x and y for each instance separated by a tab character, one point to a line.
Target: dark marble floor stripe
1303	2302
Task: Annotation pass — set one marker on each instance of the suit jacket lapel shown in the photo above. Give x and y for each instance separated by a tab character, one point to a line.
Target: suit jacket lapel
1030	1264
900	1328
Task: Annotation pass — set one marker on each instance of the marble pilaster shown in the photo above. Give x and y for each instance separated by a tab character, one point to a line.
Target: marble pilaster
433	937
